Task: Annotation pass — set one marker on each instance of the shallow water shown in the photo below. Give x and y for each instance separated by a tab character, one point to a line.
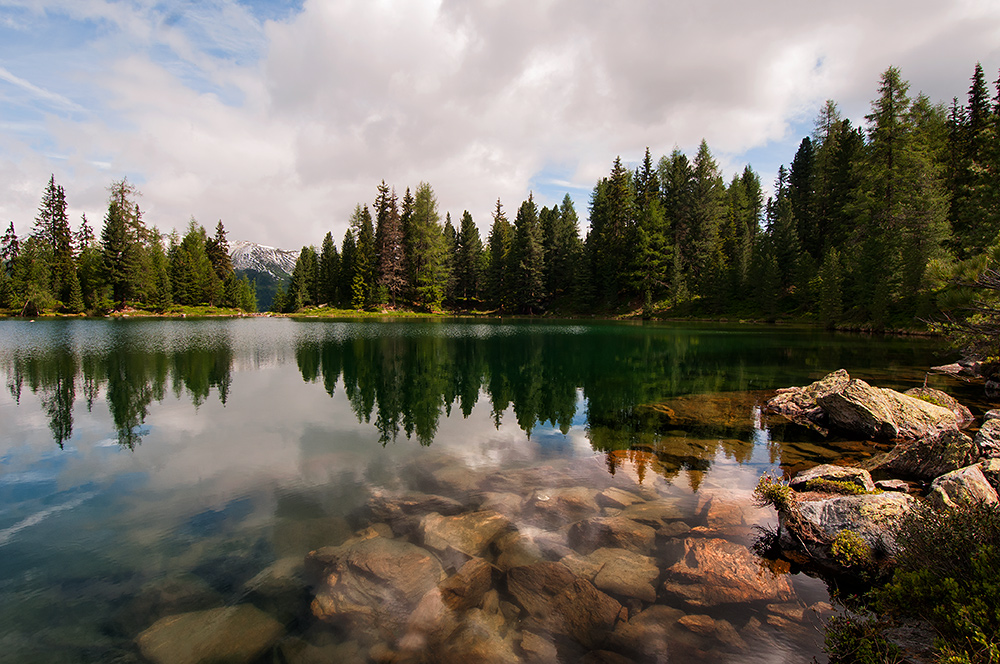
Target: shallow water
149	468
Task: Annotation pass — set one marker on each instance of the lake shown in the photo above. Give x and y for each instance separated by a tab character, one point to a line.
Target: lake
154	468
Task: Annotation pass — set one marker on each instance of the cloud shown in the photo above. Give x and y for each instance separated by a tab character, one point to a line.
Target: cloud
280	124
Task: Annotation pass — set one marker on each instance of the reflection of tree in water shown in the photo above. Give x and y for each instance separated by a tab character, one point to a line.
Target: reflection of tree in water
132	376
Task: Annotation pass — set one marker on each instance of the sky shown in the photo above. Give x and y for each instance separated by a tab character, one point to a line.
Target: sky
278	117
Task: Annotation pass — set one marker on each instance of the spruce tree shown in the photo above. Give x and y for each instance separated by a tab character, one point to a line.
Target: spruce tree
528	259
469	262
497	280
329	271
389	240
427	249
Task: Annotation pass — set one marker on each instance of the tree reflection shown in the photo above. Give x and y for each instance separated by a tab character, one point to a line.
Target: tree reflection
659	400
132	376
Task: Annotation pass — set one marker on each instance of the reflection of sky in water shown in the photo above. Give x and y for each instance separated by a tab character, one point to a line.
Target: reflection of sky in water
205	483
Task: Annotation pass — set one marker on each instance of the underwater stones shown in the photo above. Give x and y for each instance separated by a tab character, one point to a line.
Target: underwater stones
716	571
993	414
965	485
465	588
537	649
718	630
171	595
559	602
645	636
469	533
376	581
617	532
829	472
280	588
879	413
558	506
504	502
229	634
403	511
618	572
516	548
654	513
617	498
929	456
629	575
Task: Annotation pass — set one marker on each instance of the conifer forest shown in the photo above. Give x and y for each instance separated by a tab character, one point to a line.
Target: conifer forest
893	223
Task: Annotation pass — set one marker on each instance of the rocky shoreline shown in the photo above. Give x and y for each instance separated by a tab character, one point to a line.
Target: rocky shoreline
933	461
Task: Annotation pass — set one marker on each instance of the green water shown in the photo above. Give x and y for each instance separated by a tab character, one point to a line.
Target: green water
136	454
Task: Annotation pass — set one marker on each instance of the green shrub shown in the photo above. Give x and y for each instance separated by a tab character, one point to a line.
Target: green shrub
947	574
850	550
836	486
771	491
856	638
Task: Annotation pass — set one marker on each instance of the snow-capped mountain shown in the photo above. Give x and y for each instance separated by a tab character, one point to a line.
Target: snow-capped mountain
250	256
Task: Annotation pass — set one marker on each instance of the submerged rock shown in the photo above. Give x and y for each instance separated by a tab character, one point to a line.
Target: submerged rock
560	602
645	637
927	457
466	587
558	506
230	634
716	571
613	532
965	485
880	413
831	473
374	583
618	571
469	533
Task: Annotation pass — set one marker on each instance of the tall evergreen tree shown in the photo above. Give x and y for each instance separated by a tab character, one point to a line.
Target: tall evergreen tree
217	249
469	262
389	241
121	242
497	279
329	271
428	259
708	206
527	259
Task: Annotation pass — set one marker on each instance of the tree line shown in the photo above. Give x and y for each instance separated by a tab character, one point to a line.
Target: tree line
131	264
869	226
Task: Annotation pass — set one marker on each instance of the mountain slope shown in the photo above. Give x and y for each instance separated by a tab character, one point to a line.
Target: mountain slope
266	266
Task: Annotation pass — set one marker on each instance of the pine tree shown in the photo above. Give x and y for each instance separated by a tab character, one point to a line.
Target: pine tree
427	250
348	250
708	206
389	240
329	271
469	262
217	249
831	297
500	240
528	259
117	243
677	194
10	247
450	248
802	198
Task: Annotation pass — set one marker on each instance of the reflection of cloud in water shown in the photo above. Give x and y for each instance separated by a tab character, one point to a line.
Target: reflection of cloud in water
8	533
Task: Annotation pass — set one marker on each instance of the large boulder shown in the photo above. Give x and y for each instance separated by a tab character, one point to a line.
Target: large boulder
879	413
559	506
965	485
559	602
816	476
800	404
229	634
373	583
945	400
716	571
874	518
988	437
927	457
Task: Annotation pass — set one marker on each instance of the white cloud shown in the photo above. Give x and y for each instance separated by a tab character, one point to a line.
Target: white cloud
280	127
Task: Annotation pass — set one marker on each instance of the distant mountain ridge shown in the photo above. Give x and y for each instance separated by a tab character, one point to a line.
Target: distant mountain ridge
267	267
252	257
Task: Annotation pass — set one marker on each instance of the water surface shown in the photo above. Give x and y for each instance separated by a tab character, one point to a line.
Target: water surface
155	467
